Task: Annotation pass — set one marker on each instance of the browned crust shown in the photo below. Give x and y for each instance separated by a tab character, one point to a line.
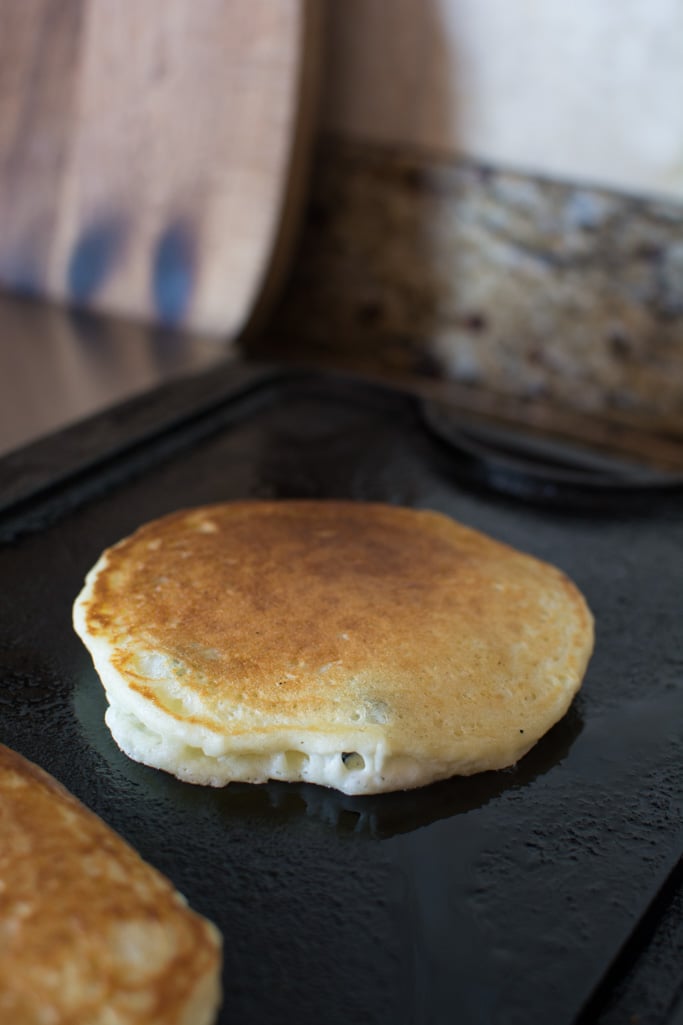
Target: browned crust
71	891
300	612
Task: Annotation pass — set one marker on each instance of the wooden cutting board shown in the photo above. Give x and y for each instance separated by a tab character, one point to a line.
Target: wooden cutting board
153	153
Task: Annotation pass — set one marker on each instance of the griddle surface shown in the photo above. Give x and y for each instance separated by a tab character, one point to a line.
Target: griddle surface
503	898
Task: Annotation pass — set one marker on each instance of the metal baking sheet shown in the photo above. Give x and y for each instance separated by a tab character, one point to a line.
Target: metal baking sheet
503	898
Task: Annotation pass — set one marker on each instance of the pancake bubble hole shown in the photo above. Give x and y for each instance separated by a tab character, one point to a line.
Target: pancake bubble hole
353	762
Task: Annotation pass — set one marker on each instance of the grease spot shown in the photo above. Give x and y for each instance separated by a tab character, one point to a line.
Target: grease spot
95	256
173	272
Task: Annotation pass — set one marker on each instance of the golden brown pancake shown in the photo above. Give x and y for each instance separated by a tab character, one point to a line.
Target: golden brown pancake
89	933
365	647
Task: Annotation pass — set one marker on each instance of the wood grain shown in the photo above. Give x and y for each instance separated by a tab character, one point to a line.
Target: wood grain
39	43
148	152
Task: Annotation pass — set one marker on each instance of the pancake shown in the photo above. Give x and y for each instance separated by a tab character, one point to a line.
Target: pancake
89	933
364	647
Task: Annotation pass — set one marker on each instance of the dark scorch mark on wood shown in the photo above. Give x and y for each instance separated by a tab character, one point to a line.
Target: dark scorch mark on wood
95	256
173	272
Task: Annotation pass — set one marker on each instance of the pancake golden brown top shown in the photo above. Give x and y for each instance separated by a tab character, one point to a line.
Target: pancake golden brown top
89	933
305	630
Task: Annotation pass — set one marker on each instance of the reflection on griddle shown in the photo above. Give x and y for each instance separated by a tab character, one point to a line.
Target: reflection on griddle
379	816
386	815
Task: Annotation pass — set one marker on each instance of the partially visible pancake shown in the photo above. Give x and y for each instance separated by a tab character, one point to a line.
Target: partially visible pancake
361	646
89	933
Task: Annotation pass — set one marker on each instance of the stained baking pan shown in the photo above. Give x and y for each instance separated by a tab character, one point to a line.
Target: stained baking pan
537	894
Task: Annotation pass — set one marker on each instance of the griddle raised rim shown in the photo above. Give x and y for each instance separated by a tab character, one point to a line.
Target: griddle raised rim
115	433
54	459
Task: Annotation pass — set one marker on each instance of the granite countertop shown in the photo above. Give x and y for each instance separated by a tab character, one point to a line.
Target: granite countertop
549	303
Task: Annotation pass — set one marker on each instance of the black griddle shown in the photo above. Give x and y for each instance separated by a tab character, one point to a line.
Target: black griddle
550	892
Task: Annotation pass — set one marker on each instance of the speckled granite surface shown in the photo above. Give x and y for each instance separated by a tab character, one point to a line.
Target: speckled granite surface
524	287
